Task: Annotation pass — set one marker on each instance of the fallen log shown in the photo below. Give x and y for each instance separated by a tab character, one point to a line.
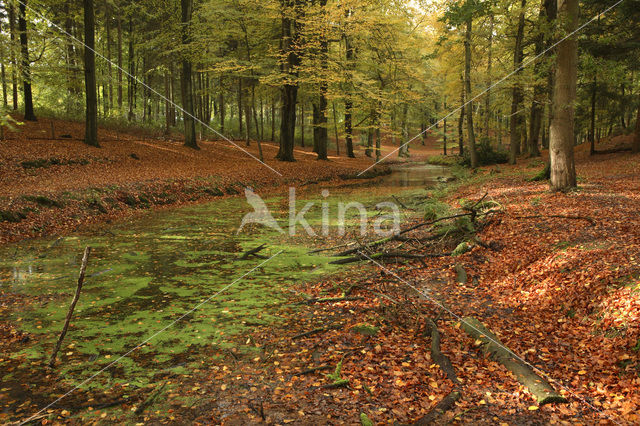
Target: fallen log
389	255
539	387
313	370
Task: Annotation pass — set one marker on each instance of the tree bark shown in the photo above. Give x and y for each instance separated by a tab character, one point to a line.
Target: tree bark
14	62
185	79
516	100
592	124
563	173
5	97
289	42
29	115
119	36
487	98
91	118
461	120
473	154
636	140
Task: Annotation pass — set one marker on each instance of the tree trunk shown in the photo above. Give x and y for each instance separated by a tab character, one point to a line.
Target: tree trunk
302	133
29	115
467	81
444	128
335	128
5	97
14	62
91	118
516	99
461	120
487	98
288	43
131	87
185	79
636	140
119	21
107	25
592	125
240	122
563	173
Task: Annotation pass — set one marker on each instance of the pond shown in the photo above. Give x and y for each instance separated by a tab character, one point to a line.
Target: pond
145	273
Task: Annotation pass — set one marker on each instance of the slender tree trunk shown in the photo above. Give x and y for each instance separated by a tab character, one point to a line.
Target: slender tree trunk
185	79
288	45
592	126
221	106
461	120
563	173
348	130
467	80
444	128
335	128
240	122
516	96
302	127
29	115
91	120
273	120
14	62
487	96
5	97
119	36
107	25
131	87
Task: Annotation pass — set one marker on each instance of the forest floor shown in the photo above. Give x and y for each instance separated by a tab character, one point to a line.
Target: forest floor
556	279
558	284
52	186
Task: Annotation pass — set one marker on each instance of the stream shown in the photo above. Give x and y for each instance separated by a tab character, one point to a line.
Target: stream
146	272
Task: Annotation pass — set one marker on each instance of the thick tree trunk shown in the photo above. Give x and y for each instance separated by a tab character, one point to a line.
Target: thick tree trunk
473	154
289	41
29	115
185	79
91	118
563	173
516	101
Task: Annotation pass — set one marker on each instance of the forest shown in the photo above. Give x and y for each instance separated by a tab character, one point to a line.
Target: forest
320	211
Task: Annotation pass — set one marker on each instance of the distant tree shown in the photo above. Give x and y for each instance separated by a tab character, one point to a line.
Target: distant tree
29	115
91	121
563	171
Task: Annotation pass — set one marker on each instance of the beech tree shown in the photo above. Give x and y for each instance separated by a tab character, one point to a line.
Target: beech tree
563	171
91	117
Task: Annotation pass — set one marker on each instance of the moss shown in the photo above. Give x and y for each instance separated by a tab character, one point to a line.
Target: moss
11	216
365	329
43	201
444	160
461	249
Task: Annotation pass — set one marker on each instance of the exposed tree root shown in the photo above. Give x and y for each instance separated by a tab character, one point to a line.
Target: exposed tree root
437	355
446	404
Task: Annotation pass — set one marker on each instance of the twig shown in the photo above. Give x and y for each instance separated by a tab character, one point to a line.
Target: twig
559	216
83	267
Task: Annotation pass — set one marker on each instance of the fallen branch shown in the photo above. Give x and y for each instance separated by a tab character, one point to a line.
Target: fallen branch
317	331
254	252
437	355
442	406
559	216
150	400
313	370
331	299
83	267
387	255
539	387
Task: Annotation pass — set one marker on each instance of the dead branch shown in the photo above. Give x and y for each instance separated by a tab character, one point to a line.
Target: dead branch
83	267
558	216
317	331
254	252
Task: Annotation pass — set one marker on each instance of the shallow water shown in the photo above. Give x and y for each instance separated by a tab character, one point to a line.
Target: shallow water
145	273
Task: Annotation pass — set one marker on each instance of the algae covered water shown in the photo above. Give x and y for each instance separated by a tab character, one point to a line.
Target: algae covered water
147	272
